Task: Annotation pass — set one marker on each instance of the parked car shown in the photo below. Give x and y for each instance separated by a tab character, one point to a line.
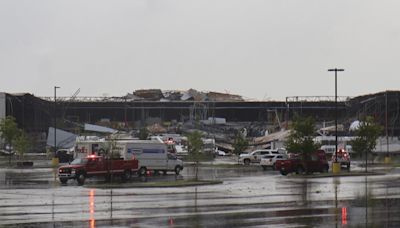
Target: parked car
5	152
219	153
316	163
255	156
270	160
343	157
65	155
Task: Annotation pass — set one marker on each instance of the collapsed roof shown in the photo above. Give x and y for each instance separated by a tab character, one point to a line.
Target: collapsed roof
175	95
149	94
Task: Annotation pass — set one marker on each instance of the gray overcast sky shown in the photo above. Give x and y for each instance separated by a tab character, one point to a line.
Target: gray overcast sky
261	49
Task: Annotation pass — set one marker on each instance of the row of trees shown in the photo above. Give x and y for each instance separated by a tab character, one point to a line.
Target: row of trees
301	137
13	137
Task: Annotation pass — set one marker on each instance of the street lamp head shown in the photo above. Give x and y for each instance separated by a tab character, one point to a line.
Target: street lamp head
336	69
56	87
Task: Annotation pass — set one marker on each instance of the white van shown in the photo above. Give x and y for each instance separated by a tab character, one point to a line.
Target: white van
152	155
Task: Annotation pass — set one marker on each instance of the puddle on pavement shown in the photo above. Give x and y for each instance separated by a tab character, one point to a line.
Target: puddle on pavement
23	179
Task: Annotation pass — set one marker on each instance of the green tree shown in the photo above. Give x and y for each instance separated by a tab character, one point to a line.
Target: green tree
366	136
195	149
239	144
9	130
21	144
301	137
143	133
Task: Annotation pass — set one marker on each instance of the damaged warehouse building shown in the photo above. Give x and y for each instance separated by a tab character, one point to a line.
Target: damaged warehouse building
215	113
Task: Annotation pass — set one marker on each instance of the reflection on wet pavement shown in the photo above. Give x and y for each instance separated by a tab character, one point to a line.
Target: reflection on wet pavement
246	198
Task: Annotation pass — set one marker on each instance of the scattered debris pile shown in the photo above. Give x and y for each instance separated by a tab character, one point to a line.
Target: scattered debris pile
174	95
149	94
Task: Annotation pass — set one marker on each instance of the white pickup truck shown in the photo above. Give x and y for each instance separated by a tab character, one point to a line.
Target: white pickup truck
255	156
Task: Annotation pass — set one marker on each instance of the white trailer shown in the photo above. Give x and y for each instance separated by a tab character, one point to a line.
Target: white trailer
85	147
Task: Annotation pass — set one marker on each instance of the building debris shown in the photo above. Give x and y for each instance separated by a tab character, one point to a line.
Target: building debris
149	94
97	128
175	95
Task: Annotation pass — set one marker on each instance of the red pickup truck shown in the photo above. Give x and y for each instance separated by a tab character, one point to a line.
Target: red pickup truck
316	163
82	168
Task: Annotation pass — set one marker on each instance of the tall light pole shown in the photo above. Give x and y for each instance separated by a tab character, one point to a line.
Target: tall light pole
55	120
336	112
387	158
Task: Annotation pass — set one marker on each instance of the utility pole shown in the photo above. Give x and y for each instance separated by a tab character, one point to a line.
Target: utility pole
336	113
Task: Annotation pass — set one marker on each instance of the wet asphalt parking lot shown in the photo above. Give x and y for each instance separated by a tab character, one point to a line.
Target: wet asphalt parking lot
247	197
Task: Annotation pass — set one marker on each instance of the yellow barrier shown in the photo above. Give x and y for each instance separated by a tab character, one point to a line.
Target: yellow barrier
335	167
388	160
54	162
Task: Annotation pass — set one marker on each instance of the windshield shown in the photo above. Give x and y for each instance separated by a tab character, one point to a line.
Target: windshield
172	157
79	161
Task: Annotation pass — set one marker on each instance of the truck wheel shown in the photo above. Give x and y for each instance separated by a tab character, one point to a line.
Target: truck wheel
177	170
142	171
80	178
247	161
284	173
300	170
127	175
63	180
